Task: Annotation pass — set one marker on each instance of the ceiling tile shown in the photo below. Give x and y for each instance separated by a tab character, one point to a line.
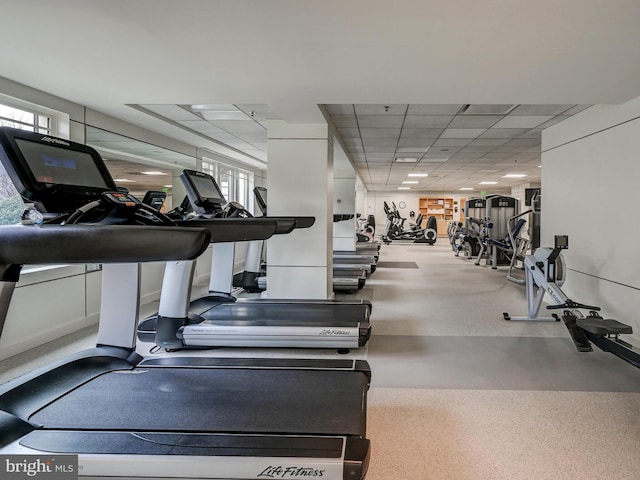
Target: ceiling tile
524	142
212	107
488	142
381	109
217	116
378	149
427	121
420	133
380	132
452	142
385	142
522	121
474	121
487	109
441	150
504	132
416	143
349	132
417	151
444	109
380	121
540	109
344	121
462	132
355	148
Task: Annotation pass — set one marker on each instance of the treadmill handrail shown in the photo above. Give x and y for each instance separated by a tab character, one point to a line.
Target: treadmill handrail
52	244
237	229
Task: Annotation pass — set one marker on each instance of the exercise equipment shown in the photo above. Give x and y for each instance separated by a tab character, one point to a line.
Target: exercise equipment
217	319
219	417
395	230
253	278
545	274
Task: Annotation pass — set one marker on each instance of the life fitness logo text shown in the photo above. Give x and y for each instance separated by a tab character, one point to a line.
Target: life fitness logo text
55	140
290	472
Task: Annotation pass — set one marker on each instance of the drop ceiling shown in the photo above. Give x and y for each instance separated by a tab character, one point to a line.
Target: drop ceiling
475	147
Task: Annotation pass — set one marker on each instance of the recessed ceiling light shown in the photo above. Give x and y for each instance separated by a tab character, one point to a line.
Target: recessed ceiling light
514	175
539	166
418	175
488	183
167	186
467	188
404	188
153	172
123	180
410	181
406	160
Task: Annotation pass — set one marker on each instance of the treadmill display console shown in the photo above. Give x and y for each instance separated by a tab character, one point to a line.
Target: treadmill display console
57	174
55	165
203	191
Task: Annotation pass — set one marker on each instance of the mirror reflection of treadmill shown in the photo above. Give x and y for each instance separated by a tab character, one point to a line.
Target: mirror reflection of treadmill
218	320
168	415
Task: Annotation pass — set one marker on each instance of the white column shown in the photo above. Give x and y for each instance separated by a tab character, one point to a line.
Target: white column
300	182
344	193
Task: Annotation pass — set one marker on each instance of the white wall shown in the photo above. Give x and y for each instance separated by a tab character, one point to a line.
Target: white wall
590	171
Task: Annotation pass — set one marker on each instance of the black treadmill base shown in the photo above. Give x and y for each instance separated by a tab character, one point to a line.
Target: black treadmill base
151	443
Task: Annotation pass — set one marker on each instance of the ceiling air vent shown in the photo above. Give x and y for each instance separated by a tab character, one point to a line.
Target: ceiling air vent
486	109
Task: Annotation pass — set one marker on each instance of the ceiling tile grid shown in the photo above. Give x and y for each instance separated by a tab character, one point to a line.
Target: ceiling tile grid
457	145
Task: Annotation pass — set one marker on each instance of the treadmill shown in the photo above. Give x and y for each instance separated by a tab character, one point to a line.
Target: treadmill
218	320
254	279
220	418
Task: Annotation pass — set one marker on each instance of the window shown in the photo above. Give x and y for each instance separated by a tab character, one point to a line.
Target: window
11	205
16	113
24	120
236	184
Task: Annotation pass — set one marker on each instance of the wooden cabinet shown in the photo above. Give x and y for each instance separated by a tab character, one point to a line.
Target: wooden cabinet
439	207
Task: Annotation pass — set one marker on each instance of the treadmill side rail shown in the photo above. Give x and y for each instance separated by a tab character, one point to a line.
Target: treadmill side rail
174	456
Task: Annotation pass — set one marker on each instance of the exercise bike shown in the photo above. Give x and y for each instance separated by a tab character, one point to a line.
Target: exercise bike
545	273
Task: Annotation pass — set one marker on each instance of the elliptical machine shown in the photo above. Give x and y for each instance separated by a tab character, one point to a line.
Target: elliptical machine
545	273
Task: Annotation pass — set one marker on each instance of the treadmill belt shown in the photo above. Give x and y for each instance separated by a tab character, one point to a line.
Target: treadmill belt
293	314
211	400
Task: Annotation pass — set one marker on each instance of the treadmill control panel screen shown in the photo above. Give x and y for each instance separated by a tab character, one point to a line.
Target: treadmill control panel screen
60	166
207	188
203	192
